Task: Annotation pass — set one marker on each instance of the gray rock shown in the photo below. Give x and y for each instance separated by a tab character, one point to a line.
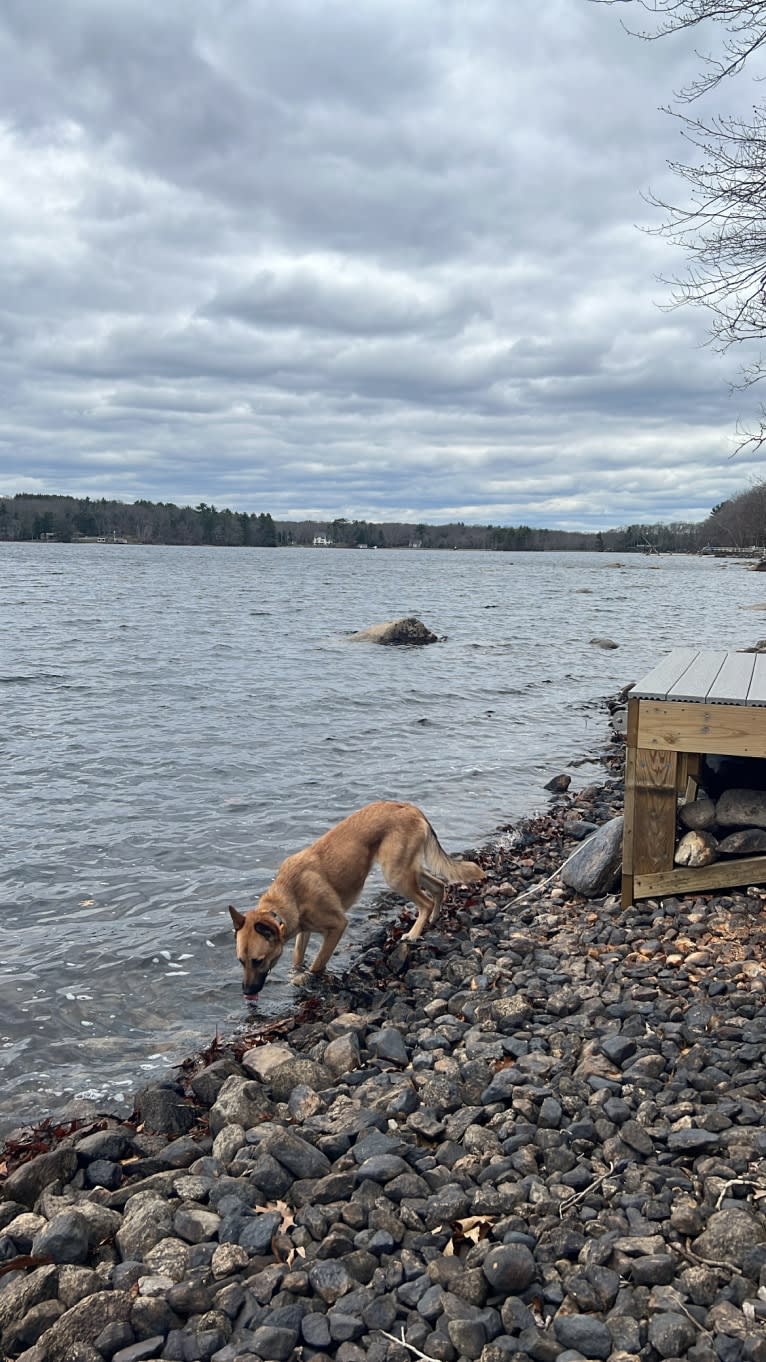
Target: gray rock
330	1280
509	1268
746	842
671	1333
298	1072
301	1158
18	1297
698	814
65	1238
604	643
693	1140
381	1168
468	1335
388	1044
163	1108
240	1101
342	1055
730	1235
594	867
83	1323
27	1182
741	809
148	1218
272	1342
315	1330
588	1335
137	1352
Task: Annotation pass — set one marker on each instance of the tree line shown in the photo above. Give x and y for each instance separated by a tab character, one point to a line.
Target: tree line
739	523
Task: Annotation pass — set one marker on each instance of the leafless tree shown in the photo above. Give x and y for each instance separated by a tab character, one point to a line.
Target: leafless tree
722	222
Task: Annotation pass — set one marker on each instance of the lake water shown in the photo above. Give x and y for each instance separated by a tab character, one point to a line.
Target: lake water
175	721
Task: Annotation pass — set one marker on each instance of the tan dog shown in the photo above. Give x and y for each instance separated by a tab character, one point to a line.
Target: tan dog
314	888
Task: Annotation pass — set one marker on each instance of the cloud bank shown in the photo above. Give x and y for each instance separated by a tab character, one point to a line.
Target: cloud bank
379	260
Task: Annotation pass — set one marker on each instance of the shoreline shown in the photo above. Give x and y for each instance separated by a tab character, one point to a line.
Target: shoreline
539	1132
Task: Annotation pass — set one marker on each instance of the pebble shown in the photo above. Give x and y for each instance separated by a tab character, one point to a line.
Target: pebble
537	1134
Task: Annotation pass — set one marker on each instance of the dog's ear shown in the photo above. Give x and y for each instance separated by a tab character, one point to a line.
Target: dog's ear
237	918
265	928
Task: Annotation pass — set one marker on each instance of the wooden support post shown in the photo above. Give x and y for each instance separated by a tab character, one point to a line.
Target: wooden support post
649	837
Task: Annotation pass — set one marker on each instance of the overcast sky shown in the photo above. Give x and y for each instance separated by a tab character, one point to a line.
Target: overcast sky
372	258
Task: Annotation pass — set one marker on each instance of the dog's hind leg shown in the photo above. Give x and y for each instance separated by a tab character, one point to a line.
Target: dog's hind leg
427	900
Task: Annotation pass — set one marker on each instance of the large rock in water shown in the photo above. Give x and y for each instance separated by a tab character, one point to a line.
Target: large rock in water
409	632
595	866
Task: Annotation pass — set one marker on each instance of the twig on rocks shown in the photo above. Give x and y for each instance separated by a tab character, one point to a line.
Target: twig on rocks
578	1196
708	1262
740	1182
533	888
404	1344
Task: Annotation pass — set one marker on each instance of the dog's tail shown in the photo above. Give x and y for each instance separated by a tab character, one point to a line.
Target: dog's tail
449	868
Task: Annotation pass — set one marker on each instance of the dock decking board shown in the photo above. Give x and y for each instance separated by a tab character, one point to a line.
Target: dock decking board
694	702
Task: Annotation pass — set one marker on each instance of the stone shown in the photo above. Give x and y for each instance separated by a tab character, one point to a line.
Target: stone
298	1072
302	1159
18	1297
83	1323
696	848
738	808
263	1058
746	842
240	1101
65	1238
594	867
406	632
342	1055
730	1235
26	1183
509	1268
697	814
388	1044
671	1333
162	1107
329	1280
588	1335
147	1219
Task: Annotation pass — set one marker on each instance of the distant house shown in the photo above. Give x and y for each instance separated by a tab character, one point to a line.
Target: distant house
320	541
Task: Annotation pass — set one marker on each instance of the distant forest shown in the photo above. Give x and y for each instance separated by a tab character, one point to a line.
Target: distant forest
736	524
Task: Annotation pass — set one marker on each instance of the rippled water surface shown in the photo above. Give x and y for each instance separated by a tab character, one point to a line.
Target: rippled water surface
175	721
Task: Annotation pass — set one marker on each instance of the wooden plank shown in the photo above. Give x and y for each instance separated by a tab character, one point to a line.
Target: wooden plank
699	677
653	820
629	805
678	726
659	680
757	692
732	683
684	880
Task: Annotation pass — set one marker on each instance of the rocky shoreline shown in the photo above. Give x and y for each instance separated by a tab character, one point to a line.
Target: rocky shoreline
538	1133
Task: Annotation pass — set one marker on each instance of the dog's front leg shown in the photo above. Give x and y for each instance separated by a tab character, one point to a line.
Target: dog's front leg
299	949
332	936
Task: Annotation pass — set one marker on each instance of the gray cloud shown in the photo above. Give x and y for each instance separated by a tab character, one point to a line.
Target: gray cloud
377	260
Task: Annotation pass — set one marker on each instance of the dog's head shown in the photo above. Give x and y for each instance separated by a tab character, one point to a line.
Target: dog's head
259	937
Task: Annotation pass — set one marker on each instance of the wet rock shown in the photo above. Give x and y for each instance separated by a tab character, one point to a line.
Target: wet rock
406	632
